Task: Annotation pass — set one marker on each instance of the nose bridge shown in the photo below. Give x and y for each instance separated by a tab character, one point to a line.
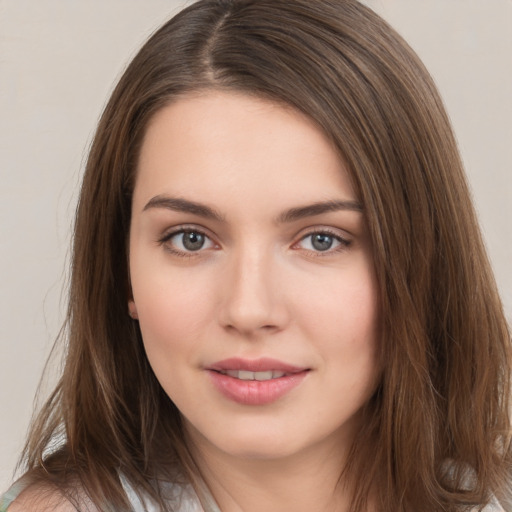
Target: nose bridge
252	300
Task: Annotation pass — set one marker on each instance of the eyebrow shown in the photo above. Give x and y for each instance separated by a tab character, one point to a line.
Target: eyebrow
184	205
311	210
293	214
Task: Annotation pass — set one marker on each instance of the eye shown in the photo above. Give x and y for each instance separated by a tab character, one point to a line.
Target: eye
187	241
322	241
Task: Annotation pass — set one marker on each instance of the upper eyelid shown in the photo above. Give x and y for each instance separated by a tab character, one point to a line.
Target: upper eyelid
336	232
328	233
183	228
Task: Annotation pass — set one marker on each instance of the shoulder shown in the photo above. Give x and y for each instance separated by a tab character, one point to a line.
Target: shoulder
38	498
35	500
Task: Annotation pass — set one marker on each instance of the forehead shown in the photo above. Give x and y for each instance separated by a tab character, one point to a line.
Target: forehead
219	144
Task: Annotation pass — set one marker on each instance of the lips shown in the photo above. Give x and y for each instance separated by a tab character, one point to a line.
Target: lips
255	382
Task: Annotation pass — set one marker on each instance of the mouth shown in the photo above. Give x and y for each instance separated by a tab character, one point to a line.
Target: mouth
255	382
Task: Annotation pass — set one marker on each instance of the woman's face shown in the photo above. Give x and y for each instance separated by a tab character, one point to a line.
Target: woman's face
252	276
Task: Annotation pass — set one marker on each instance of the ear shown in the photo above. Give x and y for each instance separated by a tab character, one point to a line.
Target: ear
132	309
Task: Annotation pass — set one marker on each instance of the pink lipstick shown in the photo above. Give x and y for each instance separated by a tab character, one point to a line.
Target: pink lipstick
255	382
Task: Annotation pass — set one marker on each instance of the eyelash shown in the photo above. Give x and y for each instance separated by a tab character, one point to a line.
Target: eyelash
182	230
343	243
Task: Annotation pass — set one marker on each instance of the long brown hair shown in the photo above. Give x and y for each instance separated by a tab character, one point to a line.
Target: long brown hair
436	433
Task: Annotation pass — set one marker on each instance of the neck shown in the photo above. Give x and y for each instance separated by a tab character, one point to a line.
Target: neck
306	481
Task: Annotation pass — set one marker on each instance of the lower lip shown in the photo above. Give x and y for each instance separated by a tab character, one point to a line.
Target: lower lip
254	392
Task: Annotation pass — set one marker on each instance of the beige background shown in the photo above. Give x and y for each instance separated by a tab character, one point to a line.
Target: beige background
58	62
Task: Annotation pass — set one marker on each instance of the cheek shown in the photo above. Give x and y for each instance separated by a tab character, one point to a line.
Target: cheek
342	320
173	311
172	318
344	309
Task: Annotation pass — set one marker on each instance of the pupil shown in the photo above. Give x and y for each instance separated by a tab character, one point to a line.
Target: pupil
322	242
193	241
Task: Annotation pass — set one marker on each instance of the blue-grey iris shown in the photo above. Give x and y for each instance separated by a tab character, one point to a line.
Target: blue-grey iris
322	242
193	241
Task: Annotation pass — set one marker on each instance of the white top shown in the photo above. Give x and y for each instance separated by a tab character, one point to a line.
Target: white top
187	500
184	498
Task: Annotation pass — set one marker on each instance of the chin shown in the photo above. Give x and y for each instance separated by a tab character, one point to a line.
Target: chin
256	443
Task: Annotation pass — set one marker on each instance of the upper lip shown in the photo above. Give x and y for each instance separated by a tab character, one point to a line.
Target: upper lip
263	364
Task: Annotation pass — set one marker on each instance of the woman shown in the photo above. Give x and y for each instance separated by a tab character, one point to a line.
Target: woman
280	298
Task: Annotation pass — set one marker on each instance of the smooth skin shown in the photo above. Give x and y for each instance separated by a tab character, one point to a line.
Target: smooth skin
247	240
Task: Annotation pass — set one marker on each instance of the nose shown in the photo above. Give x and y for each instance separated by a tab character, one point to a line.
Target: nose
253	296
